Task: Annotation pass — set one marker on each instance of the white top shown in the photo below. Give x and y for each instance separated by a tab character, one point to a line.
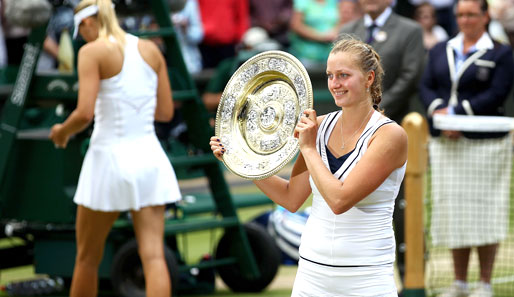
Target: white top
437	4
379	21
439	33
362	236
126	102
457	43
125	166
189	36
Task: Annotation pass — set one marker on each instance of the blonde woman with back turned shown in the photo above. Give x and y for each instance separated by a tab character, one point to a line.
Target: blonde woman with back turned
124	85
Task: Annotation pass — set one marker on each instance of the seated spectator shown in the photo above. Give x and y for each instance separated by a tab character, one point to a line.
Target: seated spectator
503	12
349	10
254	41
188	27
432	32
3	49
444	13
273	16
224	23
15	38
61	20
314	27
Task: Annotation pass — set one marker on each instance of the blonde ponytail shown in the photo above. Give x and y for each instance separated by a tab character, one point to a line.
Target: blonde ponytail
107	20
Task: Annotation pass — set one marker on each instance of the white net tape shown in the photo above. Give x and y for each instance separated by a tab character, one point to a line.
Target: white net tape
473	123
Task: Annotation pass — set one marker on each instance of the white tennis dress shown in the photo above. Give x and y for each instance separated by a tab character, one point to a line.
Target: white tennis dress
350	254
125	167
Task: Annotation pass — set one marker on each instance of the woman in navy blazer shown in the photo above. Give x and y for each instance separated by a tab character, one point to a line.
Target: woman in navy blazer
482	82
469	75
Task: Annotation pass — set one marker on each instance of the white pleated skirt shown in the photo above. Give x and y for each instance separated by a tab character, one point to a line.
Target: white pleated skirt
126	175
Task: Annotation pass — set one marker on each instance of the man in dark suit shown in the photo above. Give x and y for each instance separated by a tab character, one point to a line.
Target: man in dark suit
399	42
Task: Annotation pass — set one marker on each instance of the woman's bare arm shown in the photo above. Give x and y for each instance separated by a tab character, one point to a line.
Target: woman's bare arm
386	152
89	83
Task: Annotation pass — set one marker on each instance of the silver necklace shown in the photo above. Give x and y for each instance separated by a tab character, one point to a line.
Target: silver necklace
355	132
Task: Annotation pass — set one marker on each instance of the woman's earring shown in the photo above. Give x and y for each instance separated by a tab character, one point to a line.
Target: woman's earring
367	90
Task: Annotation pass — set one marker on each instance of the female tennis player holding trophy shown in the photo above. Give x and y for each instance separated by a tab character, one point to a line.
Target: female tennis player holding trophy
353	162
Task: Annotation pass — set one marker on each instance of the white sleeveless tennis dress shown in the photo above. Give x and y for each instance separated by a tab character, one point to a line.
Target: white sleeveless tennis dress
350	254
125	167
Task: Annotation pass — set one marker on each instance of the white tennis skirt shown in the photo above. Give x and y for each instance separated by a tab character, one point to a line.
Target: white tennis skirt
470	190
126	176
315	280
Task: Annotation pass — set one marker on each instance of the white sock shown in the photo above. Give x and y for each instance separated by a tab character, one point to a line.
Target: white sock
485	285
461	284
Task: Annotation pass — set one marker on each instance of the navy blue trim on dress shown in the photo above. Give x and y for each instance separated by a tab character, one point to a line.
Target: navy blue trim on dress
325	124
363	136
360	143
344	266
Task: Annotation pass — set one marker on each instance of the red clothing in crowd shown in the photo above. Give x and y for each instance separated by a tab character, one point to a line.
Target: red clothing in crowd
224	21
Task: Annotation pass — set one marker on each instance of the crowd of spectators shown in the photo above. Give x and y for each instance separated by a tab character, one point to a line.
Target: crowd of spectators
307	29
212	31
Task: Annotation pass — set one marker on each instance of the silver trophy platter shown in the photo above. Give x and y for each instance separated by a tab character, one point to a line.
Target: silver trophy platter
258	111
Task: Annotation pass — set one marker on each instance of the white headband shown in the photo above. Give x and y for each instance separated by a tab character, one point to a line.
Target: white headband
81	15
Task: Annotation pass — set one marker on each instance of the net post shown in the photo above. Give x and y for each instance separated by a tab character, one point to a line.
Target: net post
417	130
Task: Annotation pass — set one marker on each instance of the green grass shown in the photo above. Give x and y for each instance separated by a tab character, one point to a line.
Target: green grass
281	286
272	293
194	245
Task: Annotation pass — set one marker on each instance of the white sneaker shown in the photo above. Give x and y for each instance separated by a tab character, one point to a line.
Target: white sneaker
455	291
483	290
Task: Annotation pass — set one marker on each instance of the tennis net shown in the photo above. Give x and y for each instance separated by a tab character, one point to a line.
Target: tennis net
470	203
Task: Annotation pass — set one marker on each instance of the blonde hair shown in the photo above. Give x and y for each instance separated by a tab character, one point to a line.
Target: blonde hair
367	59
107	20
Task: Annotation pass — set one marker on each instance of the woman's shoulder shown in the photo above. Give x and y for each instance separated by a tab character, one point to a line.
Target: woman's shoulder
91	52
391	131
151	53
99	47
148	45
391	140
440	33
320	118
